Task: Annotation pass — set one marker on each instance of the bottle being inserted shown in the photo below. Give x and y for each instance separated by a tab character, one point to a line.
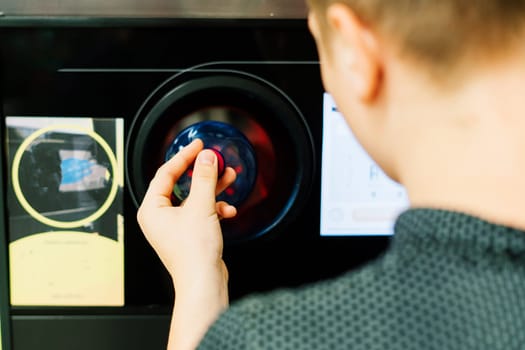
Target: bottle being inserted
232	149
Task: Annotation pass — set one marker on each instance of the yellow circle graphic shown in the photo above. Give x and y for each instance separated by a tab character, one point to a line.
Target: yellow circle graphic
35	214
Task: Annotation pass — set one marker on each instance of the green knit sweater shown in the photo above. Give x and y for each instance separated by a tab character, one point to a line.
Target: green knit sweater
448	281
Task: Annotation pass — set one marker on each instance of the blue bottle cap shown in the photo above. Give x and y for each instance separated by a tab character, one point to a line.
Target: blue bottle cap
232	149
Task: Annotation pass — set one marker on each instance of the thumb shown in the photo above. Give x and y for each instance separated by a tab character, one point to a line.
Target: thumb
204	182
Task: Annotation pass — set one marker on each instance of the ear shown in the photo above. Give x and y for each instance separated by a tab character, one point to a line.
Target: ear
358	52
313	25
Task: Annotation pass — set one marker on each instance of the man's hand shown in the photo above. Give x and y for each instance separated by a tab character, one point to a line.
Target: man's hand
188	240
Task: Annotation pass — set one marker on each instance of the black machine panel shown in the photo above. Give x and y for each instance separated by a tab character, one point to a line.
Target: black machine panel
151	79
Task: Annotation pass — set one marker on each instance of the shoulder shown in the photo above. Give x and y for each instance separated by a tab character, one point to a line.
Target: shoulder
316	316
432	286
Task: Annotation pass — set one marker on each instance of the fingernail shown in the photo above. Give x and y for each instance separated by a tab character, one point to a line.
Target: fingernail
206	157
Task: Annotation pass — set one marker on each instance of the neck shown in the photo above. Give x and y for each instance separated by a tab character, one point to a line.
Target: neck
470	156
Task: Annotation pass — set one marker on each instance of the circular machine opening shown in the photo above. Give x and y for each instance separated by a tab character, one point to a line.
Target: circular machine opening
270	121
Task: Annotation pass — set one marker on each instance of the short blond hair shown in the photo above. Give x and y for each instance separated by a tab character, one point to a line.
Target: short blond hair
440	32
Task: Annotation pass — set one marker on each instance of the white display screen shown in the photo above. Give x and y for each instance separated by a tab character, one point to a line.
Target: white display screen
357	198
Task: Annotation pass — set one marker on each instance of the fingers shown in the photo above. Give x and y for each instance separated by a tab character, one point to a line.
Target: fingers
161	187
226	180
204	182
225	211
204	188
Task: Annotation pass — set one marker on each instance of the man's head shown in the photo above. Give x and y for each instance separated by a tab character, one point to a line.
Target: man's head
437	33
385	61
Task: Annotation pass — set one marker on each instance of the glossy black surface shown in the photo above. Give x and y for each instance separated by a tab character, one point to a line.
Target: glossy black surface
108	69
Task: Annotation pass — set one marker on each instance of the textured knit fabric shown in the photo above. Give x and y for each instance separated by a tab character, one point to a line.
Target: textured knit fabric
448	281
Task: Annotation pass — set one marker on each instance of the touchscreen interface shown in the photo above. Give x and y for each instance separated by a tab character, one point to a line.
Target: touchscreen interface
66	223
357	198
